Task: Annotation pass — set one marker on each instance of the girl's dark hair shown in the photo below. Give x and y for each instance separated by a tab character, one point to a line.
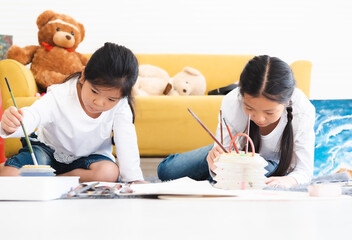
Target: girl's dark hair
112	66
272	78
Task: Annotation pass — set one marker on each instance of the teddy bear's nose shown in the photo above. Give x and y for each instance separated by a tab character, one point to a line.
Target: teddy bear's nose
184	90
68	37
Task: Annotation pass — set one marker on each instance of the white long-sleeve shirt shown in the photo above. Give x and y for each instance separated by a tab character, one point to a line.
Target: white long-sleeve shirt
64	126
303	132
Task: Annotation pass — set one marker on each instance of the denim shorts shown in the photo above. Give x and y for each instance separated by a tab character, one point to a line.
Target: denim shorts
45	156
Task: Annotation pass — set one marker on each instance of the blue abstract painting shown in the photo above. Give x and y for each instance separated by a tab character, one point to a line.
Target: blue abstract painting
333	131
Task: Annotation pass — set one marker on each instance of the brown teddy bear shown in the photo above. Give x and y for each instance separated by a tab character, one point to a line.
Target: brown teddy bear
59	35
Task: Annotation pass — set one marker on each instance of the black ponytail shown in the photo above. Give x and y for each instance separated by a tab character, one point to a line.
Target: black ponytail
286	146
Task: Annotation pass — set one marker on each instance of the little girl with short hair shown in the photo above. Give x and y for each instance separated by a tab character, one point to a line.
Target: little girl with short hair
75	120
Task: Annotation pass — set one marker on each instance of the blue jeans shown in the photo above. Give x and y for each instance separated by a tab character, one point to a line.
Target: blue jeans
194	165
45	156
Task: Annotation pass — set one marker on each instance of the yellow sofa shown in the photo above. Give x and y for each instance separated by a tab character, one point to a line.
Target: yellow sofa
163	124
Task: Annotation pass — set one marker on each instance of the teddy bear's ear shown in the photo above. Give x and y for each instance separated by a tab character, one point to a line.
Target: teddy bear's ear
45	17
191	71
82	31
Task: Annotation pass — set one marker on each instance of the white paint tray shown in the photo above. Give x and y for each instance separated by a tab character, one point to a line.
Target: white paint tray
35	188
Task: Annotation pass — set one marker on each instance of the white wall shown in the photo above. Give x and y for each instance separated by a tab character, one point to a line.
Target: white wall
316	30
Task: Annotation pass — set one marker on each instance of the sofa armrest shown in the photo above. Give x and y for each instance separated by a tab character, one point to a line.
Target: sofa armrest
302	70
20	79
164	125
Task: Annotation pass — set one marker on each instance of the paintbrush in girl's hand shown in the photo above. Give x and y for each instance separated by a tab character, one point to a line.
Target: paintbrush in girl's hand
228	129
207	130
30	170
248	124
221	136
24	130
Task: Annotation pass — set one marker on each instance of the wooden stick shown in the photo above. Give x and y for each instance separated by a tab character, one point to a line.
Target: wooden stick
207	130
228	129
248	124
222	138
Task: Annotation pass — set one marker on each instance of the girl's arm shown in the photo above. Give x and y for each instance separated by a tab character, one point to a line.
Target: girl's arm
302	165
32	116
125	138
303	154
304	141
233	113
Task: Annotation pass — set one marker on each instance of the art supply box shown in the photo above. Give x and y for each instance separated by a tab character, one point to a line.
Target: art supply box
35	188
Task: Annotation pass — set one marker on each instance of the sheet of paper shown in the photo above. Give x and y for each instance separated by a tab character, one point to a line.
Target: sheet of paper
182	186
186	188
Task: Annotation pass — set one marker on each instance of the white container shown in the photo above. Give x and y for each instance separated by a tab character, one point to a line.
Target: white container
35	188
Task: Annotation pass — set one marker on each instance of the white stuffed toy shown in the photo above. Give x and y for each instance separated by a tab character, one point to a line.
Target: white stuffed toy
188	82
151	81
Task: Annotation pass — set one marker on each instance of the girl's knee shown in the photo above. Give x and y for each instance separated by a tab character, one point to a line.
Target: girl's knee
169	171
163	170
105	171
8	170
160	171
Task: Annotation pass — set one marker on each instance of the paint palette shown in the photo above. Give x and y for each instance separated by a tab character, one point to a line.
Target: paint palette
37	171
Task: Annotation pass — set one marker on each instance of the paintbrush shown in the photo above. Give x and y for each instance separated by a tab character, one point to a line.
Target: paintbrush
24	130
221	137
207	130
30	170
228	129
248	124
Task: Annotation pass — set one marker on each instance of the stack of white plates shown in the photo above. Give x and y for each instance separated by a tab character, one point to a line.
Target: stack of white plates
240	171
37	171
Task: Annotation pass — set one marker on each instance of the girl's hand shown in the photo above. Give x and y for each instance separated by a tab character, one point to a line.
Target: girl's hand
139	182
11	119
285	181
213	153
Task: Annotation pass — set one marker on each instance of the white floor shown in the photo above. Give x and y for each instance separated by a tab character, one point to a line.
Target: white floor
176	219
202	218
149	166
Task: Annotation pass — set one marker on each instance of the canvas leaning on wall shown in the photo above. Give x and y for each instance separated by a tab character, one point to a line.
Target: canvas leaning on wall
333	131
